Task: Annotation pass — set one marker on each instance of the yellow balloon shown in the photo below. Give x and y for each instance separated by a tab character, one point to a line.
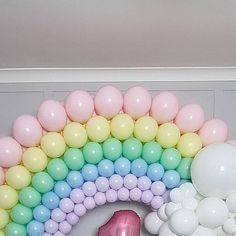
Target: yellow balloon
145	129
75	135
98	129
34	159
8	197
2	233
122	126
168	135
4	218
189	144
53	144
18	177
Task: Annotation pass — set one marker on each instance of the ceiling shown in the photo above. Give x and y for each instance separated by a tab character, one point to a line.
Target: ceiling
124	33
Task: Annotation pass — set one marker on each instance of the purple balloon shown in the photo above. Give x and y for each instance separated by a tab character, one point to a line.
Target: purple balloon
135	194
58	233
89	189
111	195
51	226
102	184
166	196
158	188
144	183
66	205
147	196
47	234
77	195
80	209
65	227
157	202
116	182
123	194
72	218
130	181
58	215
89	203
100	198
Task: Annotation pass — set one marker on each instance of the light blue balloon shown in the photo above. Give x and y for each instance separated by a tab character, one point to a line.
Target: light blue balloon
90	172
35	228
75	179
122	166
41	213
171	179
139	167
155	171
50	200
62	189
106	168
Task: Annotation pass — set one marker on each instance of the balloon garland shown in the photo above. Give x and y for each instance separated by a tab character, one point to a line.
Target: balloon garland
82	153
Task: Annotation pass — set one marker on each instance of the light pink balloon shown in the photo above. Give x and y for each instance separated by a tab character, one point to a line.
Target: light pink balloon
137	102
108	101
2	176
164	107
213	131
79	106
27	131
52	115
10	152
190	118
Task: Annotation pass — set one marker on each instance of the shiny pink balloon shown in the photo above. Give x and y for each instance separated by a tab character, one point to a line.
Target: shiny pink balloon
10	152
27	131
52	115
122	223
79	106
164	107
190	118
2	176
108	101
213	131
137	102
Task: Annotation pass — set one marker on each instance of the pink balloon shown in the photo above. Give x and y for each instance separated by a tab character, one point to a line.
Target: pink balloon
10	152
27	131
79	106
122	223
108	101
213	131
190	118
52	115
2	176
164	107
137	102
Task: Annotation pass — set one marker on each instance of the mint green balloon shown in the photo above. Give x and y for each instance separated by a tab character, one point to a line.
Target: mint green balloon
185	167
132	148
14	229
93	153
170	158
29	197
74	158
57	169
151	152
21	214
112	149
42	182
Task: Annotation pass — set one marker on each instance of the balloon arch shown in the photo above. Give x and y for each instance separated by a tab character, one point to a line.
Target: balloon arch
86	152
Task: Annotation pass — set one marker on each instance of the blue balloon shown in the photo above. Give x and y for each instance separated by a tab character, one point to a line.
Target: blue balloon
62	189
35	228
171	179
41	213
50	200
90	172
75	179
122	166
106	168
155	172
139	167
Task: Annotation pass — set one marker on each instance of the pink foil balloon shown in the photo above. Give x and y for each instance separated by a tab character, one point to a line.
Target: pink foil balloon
108	101
27	131
137	102
79	106
164	107
52	115
10	152
213	131
2	176
122	223
190	118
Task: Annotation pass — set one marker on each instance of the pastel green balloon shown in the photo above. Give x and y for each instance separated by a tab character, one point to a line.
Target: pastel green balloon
151	152
21	214
93	153
57	169
29	197
185	167
74	158
112	149
170	158
132	149
14	229
42	182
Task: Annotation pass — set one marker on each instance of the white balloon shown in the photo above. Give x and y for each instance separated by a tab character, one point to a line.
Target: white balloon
190	203
176	195
165	231
153	223
231	202
202	231
229	226
161	212
219	231
183	222
188	189
212	212
171	207
213	170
